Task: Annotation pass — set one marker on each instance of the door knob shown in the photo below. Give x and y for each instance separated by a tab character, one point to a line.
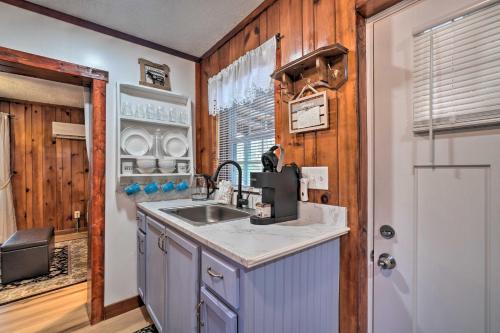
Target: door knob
386	261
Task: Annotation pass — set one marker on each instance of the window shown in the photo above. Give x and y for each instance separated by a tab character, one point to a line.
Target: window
456	76
245	132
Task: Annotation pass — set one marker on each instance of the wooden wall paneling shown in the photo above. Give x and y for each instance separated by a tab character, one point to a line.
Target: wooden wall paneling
50	168
327	153
19	162
197	114
273	19
212	162
37	188
263	27
291	30
273	27
324	22
78	155
308	26
291	49
363	170
251	36
202	147
28	167
236	47
352	261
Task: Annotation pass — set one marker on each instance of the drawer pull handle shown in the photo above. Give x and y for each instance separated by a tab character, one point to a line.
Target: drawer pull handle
214	273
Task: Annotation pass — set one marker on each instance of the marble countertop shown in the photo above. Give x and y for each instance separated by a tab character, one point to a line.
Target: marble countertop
252	245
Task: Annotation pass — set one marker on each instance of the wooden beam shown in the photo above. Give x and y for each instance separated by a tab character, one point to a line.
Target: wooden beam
369	8
240	26
23	63
97	201
98	28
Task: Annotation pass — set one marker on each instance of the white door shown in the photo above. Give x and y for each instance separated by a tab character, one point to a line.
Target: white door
446	218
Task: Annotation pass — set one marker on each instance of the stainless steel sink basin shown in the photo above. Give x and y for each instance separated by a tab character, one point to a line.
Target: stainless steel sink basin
202	215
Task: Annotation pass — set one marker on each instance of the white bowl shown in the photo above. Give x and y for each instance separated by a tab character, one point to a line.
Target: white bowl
146	170
166	163
167	170
146	163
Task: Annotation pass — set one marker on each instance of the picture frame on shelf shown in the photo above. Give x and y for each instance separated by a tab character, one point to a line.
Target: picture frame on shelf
154	75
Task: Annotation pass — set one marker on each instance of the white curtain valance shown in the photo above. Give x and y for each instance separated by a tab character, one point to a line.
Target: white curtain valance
241	81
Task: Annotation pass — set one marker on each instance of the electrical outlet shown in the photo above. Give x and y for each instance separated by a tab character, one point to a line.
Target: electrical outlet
76	214
318	177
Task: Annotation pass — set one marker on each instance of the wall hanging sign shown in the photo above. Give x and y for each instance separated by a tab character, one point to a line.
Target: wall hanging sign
308	113
154	75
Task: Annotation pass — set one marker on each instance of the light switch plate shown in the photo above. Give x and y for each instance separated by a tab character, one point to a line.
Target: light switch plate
318	177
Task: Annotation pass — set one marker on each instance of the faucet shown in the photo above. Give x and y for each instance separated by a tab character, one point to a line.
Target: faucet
239	198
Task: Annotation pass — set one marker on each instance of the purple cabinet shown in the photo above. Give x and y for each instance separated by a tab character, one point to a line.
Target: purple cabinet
141	264
182	272
215	317
155	272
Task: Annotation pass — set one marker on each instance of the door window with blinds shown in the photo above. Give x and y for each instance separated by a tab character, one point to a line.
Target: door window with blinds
456	76
245	132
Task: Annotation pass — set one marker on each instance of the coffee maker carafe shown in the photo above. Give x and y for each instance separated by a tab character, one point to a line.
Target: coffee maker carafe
200	187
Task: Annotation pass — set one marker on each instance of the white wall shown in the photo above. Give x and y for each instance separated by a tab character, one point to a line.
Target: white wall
34	33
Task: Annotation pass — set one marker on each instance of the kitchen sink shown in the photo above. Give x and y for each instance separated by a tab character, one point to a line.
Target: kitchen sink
203	215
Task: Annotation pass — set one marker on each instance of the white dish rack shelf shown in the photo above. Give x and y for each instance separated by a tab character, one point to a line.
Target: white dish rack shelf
134	96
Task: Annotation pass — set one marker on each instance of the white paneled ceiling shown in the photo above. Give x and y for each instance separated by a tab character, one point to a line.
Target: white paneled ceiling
190	26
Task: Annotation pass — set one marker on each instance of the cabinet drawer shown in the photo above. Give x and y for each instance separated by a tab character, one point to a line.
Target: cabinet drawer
221	277
140	217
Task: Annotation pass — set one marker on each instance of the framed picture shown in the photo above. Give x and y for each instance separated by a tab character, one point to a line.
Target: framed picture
154	75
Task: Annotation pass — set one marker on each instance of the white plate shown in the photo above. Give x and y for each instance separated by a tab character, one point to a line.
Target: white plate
175	145
136	141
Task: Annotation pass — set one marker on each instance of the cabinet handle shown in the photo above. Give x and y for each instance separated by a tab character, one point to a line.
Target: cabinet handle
214	274
141	242
160	241
198	312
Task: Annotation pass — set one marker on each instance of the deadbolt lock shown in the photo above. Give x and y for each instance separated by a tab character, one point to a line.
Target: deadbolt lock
387	231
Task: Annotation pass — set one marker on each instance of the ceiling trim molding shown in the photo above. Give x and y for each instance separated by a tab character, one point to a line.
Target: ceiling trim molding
98	28
240	26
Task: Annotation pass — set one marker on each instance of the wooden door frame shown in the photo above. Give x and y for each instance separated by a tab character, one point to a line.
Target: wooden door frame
27	64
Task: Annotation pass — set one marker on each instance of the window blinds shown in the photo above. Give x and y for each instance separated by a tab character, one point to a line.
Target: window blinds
456	72
245	132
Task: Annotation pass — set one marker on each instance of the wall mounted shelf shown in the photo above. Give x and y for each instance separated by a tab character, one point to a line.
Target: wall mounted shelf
329	62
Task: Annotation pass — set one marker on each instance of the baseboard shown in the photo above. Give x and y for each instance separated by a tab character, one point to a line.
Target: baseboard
123	306
69	231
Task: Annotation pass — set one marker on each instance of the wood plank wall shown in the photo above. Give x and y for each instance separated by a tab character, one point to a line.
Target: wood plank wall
306	25
50	176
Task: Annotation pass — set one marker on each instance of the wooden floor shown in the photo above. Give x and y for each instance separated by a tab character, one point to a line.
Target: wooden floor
64	310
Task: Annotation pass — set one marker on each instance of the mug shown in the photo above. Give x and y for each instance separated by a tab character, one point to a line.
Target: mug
151	188
167	187
182	167
132	189
127	168
182	186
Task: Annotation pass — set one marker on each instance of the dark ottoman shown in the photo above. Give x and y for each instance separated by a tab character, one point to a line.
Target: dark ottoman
26	254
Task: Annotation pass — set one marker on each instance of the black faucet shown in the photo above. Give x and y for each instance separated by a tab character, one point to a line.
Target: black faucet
239	198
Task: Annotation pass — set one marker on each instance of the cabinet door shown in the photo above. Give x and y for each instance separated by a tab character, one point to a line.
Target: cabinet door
182	284
155	272
141	265
215	317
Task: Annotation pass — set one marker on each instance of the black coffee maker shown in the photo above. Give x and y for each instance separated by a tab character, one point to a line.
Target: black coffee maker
279	184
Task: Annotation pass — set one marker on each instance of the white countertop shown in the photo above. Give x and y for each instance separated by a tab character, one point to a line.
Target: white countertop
251	245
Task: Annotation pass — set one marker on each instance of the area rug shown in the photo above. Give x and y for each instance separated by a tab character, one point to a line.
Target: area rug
148	329
68	267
